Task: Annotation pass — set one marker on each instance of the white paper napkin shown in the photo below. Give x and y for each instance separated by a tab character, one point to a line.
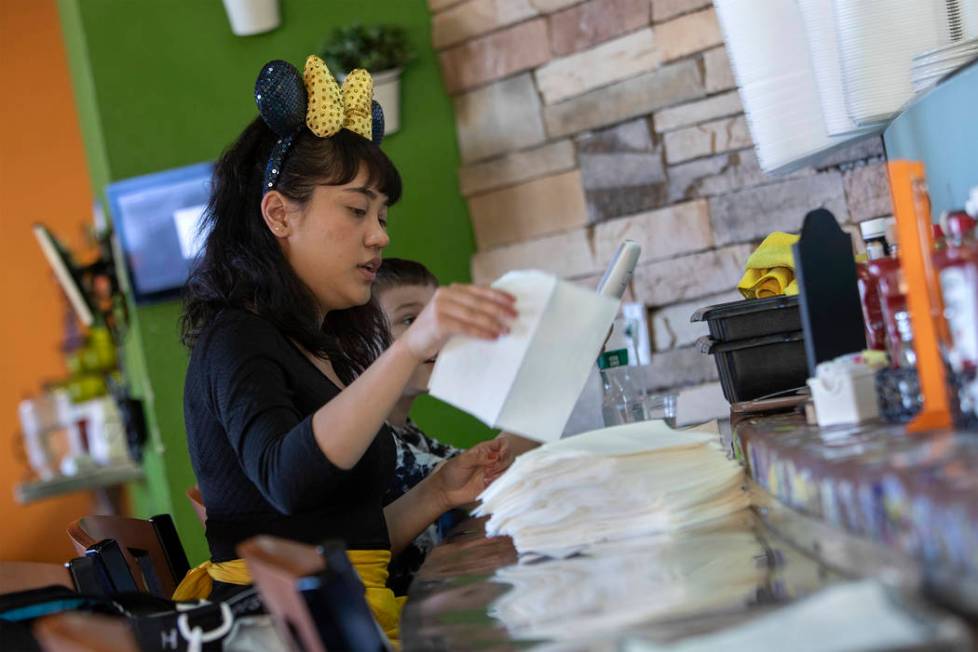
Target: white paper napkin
528	381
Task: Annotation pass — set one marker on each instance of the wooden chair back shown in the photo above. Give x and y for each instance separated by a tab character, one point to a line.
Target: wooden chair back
276	565
197	502
151	547
26	575
84	632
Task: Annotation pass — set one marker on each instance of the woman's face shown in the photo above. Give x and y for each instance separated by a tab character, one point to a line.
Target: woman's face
402	305
334	242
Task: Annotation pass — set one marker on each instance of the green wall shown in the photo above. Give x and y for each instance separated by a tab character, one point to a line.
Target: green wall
166	84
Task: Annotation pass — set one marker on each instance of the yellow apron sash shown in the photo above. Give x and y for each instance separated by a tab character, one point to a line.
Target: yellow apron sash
371	566
198	582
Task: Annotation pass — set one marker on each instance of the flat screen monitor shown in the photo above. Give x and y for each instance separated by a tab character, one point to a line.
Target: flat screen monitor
157	219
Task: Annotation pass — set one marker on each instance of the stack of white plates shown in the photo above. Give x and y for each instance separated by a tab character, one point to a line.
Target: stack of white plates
930	66
769	55
823	46
877	41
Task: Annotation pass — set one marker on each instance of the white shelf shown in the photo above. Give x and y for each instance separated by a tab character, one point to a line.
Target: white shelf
101	478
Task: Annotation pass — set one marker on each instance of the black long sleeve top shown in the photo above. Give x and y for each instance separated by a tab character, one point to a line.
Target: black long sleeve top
248	403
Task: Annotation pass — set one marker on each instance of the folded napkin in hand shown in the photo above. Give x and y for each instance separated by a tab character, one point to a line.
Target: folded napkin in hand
771	268
528	381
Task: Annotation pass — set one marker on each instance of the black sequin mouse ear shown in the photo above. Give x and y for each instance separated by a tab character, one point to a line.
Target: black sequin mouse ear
282	98
377	118
280	95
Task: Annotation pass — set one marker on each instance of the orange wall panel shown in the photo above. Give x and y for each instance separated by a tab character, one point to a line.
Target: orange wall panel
43	178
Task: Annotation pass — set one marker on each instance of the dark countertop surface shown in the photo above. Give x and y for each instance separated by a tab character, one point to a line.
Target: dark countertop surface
472	594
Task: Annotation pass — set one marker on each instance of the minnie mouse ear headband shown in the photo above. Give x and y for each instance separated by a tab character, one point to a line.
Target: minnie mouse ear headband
287	102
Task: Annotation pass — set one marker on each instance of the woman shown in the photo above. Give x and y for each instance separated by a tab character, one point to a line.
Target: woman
289	382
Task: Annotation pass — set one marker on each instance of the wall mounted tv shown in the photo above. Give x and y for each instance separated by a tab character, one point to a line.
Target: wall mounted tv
157	219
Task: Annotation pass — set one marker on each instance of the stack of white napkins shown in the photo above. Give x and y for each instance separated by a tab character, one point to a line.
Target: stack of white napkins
610	484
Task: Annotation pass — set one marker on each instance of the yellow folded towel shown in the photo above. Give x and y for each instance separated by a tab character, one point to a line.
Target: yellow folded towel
771	269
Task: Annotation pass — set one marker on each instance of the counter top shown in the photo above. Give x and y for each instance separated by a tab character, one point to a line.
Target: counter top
472	593
916	494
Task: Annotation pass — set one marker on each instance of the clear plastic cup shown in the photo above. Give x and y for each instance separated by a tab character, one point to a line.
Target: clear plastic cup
661	407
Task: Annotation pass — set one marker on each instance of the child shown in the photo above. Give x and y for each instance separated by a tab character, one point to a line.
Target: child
403	288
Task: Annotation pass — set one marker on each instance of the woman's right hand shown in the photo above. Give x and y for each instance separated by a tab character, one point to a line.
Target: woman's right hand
459	310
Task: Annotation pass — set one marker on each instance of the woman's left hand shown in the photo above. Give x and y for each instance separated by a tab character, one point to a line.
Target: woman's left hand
462	478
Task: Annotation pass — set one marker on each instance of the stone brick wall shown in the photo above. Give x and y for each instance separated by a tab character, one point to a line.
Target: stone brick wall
581	123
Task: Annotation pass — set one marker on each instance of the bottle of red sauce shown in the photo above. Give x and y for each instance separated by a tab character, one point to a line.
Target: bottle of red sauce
869	295
885	273
957	269
893	302
940	239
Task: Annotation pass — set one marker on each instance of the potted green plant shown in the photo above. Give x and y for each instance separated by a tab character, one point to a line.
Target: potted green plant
382	50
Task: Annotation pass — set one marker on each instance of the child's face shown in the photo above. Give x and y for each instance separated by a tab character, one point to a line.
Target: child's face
402	305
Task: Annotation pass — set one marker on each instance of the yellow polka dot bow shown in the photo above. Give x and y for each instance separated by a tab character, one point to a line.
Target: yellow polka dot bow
288	101
330	107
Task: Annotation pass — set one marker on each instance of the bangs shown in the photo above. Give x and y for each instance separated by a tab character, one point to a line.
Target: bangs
381	173
336	161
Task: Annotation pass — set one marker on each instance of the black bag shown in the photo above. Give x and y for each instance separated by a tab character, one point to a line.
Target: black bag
194	627
157	624
18	611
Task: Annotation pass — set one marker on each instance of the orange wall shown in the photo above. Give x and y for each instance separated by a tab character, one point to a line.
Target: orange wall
43	178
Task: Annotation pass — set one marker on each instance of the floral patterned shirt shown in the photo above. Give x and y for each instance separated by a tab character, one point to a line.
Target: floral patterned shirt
415	456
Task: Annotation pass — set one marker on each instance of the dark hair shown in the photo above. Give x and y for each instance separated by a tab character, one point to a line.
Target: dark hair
394	272
242	265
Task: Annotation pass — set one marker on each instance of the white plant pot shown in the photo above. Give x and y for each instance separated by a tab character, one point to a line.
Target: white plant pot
250	17
387	92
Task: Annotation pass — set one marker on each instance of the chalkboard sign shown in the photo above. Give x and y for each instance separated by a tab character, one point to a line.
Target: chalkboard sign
831	313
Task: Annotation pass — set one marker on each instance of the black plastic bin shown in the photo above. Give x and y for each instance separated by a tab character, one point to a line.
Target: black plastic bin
741	320
760	366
